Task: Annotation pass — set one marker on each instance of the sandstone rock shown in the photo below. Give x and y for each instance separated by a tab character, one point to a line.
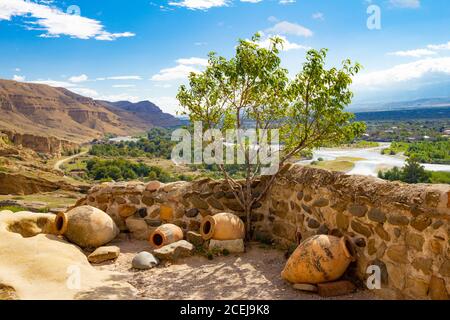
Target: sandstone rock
398	220
437	224
126	210
416	288
420	223
436	246
103	254
174	251
338	288
198	202
398	253
194	225
195	238
306	208
382	233
361	229
305	287
321	202
165	213
135	200
313	224
138	228
415	241
213	202
357	210
192	213
445	268
232	246
423	264
371	249
342	221
377	215
437	289
300	195
284	230
153	186
8	293
144	260
148	200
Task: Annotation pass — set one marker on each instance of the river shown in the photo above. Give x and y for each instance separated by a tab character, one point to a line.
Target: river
373	160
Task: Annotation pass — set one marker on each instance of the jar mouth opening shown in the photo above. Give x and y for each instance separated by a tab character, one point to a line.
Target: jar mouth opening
348	248
207	227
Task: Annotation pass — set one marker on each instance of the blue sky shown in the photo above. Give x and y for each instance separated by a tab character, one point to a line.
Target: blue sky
139	50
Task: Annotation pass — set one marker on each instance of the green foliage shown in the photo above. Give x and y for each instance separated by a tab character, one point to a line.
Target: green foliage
412	172
13	208
253	90
440	177
424	151
121	169
157	144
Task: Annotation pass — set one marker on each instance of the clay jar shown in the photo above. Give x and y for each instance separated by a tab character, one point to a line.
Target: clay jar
165	234
86	226
222	226
319	259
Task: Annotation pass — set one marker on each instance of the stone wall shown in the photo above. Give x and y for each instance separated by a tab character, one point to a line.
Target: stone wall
404	229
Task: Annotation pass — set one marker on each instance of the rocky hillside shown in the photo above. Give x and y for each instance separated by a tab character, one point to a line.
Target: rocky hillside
40	110
147	111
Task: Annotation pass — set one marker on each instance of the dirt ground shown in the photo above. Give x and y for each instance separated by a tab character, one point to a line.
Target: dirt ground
253	275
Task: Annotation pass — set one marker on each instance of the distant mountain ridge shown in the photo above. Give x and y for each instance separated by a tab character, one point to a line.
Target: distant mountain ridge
147	111
41	110
400	105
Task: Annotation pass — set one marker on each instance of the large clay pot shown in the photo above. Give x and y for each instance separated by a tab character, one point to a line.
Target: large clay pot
86	226
319	259
222	226
165	234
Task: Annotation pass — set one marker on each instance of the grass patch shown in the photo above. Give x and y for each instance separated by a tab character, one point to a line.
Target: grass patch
334	165
440	177
13	208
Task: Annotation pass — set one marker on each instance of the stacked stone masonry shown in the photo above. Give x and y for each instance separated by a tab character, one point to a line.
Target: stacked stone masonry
404	229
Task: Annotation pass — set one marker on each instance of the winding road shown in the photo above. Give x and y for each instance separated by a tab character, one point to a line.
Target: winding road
59	163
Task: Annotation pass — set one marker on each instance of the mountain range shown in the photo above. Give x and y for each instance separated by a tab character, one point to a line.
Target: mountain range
42	110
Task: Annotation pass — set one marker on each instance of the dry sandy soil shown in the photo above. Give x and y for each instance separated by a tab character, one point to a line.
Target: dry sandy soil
253	275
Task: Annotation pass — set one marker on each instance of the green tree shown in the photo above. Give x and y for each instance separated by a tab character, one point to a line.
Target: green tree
413	172
252	90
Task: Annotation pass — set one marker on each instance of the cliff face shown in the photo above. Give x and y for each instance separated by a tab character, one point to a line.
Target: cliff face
41	144
39	115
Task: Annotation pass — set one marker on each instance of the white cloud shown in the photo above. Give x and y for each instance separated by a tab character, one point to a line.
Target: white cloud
118	97
318	16
39	16
17	69
86	92
285	27
19	78
120	78
193	61
181	71
404	72
124	86
287	45
176	73
199	4
417	53
251	1
78	79
405	3
168	104
444	46
286	1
